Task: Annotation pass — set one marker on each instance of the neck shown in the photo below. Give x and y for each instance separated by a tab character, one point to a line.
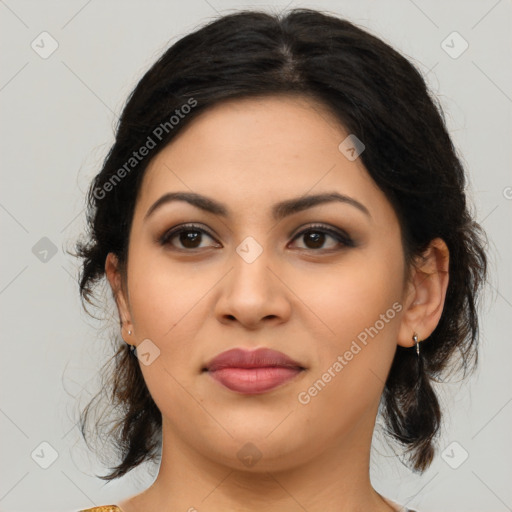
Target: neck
335	480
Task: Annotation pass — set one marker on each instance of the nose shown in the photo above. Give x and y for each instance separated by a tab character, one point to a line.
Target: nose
253	294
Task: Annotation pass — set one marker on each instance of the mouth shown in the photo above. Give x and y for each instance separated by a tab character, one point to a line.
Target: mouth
252	372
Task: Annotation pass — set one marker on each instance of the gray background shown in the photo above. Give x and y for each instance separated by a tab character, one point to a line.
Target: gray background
58	115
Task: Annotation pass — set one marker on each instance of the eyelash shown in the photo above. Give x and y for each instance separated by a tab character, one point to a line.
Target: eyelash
342	238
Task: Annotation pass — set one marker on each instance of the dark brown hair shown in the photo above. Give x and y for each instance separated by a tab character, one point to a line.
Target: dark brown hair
376	94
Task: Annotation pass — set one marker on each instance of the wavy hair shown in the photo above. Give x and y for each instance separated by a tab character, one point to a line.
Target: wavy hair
376	94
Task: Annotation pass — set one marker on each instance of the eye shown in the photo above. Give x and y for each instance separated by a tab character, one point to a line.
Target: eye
189	236
315	238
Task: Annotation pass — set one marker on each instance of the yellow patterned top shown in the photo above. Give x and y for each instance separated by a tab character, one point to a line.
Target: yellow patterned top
115	508
106	508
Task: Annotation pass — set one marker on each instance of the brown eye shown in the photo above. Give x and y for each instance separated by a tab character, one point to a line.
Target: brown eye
316	238
190	239
186	237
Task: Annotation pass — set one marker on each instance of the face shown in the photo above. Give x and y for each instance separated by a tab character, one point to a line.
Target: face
322	282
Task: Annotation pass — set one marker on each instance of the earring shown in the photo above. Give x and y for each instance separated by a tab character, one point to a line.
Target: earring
416	343
129	333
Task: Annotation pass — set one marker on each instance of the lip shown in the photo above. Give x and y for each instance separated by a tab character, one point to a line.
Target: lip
252	371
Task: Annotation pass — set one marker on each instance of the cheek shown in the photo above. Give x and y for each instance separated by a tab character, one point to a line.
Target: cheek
169	305
353	295
361	296
361	304
162	293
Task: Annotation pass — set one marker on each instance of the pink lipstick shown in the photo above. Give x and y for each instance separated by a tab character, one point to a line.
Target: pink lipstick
252	372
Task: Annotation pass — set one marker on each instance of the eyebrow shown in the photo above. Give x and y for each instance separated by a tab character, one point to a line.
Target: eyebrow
279	210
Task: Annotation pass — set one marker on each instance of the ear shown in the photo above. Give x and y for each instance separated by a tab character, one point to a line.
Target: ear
115	278
425	293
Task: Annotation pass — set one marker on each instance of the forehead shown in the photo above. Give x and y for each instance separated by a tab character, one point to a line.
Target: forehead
250	152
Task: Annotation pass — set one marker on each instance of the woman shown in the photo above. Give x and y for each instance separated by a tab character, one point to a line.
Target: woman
283	224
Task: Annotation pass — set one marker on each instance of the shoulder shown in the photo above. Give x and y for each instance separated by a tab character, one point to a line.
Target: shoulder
397	506
105	508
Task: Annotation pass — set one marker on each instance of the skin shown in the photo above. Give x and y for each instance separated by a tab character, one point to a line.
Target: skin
308	301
